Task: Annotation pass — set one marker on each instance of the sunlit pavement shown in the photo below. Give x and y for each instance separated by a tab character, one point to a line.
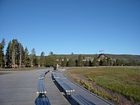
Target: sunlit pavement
21	87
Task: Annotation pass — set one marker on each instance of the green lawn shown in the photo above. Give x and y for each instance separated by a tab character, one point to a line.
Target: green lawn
122	80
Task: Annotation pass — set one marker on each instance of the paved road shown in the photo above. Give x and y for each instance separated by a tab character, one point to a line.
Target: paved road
20	87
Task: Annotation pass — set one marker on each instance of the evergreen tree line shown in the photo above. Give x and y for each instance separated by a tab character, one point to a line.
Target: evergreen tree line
17	56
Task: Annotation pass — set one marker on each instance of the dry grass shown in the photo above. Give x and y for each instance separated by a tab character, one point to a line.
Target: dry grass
121	80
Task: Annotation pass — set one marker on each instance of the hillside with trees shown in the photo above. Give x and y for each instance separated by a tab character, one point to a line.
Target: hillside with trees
18	56
80	60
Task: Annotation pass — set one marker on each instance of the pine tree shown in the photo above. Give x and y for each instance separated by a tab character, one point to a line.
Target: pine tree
76	62
94	62
14	54
51	60
86	63
71	63
80	62
51	53
34	60
90	63
21	55
27	61
2	63
42	59
8	56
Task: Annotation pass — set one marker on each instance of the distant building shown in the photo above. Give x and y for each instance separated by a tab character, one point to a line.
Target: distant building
101	57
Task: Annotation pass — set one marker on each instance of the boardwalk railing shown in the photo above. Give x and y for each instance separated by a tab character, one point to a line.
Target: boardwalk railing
76	97
79	100
62	84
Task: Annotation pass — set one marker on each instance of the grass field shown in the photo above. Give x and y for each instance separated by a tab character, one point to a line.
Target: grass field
124	81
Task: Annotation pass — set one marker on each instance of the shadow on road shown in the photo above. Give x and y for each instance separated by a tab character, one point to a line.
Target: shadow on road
42	99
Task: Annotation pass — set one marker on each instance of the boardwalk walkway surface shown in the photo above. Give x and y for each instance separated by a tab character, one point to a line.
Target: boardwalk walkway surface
54	95
80	95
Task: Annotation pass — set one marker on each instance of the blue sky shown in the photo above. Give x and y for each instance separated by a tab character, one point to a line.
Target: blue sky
78	26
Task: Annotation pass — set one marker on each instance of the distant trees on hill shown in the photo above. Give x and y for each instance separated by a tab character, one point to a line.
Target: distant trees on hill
17	56
81	60
42	59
